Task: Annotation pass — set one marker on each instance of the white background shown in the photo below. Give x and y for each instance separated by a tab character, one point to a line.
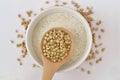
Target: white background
109	69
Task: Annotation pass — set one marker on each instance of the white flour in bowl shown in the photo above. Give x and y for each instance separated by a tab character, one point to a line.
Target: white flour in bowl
66	21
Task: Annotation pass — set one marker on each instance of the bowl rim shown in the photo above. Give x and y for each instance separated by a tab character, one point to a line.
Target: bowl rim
87	29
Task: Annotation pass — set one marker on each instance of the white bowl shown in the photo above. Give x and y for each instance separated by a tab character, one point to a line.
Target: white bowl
55	10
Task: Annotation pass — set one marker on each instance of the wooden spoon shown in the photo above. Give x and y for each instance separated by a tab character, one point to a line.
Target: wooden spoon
49	67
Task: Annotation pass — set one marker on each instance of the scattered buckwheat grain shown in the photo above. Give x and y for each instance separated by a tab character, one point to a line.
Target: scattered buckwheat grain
64	3
99	22
18	59
89	72
19	15
11	41
20	63
82	69
102	30
47	2
29	13
90	63
103	49
34	65
41	9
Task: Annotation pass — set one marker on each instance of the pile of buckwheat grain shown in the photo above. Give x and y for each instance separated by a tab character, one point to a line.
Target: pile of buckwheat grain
95	27
56	44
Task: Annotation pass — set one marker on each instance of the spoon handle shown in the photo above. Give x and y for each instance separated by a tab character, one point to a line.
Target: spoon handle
47	73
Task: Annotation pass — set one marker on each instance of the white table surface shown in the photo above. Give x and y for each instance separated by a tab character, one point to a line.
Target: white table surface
109	69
